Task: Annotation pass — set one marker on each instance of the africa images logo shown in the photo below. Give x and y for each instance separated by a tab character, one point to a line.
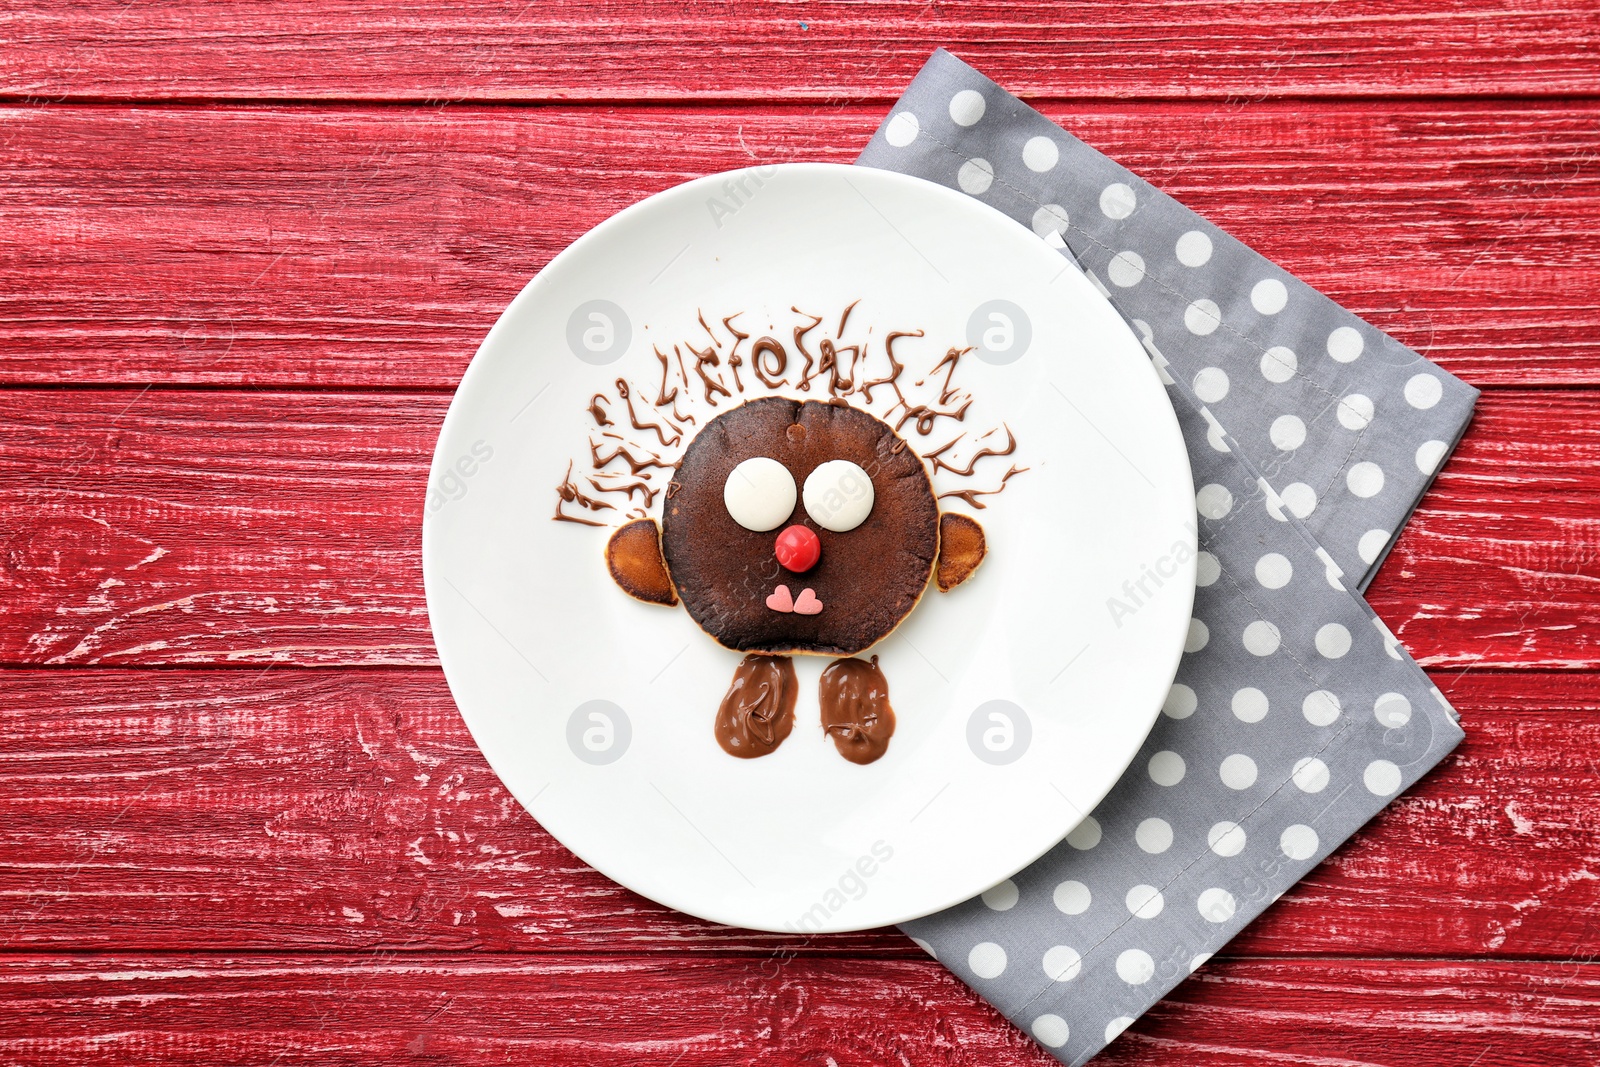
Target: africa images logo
851	885
1152	578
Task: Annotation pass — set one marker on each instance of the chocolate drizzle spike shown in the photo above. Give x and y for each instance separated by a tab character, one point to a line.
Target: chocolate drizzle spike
704	358
936	456
758	711
664	398
971	495
972	463
844	384
800	345
769	346
926	416
948	363
846	369
735	361
569	493
633	417
828	363
891	379
702	316
627	486
682	373
624	450
844	318
854	696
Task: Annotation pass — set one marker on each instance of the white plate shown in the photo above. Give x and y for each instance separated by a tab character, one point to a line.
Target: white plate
531	629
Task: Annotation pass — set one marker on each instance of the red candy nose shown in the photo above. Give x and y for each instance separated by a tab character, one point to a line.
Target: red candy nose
798	549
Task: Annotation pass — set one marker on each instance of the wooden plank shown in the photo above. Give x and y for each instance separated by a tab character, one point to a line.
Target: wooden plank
1488	855
374	247
350	811
191	515
179	527
822	51
847	1013
1515	510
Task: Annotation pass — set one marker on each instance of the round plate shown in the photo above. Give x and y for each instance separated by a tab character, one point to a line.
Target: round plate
1021	696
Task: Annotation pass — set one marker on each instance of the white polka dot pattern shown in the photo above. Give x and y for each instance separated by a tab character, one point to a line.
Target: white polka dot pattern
1226	838
1279	364
1040	154
1050	218
987	960
1117	201
1219	314
1217	905
1238	771
1062	963
1213	501
1269	296
1211	385
1288	432
1154	836
975	176
1295	714
1193	249
1135	966
1249	705
1381	777
1345	344
1166	768
1261	638
1085	835
966	107
1002	897
1051	1030
1072	898
1310	775
1126	269
1202	317
1298	842
1144	902
902	129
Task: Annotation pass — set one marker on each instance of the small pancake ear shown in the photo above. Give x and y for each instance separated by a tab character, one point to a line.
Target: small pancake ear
961	549
633	556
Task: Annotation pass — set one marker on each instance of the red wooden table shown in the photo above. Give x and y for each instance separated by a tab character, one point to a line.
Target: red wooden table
246	250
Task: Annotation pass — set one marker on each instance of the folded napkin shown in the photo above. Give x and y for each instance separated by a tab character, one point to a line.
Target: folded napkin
1296	715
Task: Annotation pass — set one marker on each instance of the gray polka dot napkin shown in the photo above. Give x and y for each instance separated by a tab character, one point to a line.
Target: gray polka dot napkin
1296	715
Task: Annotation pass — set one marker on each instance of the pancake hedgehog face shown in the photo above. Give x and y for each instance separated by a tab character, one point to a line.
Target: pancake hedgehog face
790	525
820	498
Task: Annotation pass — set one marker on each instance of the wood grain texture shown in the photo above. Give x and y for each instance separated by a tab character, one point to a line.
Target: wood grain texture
312	1010
249	527
1517	513
274	842
348	247
350	811
509	49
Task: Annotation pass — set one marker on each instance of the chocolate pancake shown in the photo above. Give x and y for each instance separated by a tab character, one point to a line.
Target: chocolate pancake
867	579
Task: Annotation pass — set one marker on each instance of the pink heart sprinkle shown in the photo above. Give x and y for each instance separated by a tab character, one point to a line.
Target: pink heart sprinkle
780	600
807	604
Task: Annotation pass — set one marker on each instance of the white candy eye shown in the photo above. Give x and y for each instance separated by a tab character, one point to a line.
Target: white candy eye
759	494
838	495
